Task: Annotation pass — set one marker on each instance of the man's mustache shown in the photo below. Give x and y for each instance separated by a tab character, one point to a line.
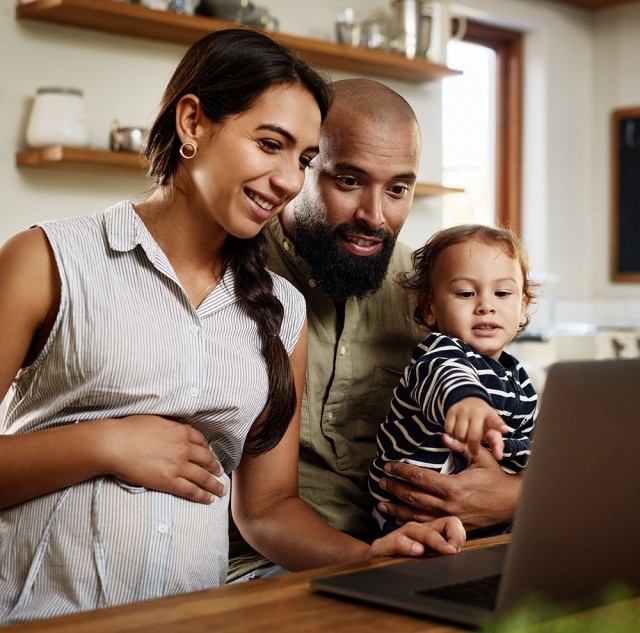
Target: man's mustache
362	229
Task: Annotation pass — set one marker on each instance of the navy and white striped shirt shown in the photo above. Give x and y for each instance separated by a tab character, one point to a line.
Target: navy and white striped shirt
128	341
442	371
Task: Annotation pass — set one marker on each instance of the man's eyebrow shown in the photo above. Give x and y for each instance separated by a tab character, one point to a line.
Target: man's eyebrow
345	166
272	127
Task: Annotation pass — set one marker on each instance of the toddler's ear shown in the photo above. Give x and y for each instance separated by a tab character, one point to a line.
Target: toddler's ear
426	307
428	315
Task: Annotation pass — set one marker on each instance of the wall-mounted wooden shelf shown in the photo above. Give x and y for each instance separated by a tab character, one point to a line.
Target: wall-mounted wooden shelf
135	20
424	189
123	18
98	161
73	159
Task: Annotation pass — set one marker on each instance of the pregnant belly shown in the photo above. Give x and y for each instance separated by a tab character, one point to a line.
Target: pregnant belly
102	543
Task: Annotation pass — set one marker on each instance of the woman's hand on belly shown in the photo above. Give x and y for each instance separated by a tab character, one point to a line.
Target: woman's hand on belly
162	454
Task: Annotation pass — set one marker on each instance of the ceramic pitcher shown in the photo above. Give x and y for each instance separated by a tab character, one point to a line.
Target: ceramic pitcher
446	25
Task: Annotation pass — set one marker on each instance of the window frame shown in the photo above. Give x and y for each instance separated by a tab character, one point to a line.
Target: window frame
507	45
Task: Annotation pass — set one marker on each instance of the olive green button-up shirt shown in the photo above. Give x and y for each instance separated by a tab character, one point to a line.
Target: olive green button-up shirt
352	370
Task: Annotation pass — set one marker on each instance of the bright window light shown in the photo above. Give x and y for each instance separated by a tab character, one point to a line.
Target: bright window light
469	133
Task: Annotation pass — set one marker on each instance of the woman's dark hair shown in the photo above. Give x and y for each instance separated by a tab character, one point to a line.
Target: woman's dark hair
424	260
228	71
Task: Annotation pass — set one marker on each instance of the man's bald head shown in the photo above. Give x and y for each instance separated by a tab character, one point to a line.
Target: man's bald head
366	104
371	99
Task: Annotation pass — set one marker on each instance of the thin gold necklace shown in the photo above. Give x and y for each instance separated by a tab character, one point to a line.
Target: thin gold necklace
194	301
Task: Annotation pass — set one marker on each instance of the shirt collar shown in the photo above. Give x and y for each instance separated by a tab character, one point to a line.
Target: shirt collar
297	265
125	230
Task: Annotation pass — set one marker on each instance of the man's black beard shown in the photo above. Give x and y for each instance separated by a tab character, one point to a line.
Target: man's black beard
338	273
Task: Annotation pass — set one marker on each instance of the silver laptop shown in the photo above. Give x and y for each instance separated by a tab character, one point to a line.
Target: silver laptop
573	536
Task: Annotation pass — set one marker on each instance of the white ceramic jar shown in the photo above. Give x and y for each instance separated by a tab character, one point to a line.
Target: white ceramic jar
58	117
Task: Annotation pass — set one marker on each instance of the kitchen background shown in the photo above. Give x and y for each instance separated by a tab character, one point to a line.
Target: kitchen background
579	65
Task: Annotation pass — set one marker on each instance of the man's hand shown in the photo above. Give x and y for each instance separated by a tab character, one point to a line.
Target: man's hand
481	495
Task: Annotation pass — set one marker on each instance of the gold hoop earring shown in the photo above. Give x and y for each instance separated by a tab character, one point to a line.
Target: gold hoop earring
189	154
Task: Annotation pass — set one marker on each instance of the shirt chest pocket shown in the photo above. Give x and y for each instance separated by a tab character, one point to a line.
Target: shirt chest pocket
373	403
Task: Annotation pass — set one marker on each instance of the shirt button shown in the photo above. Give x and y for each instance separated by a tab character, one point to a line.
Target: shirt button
163	528
312	283
285	245
329	416
194	391
194	328
343	350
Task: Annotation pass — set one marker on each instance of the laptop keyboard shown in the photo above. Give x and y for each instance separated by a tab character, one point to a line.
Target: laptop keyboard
480	592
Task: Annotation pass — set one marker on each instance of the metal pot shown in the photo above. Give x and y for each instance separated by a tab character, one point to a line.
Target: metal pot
127	139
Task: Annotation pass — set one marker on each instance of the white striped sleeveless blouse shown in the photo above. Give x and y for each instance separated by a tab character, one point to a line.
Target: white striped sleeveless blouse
128	341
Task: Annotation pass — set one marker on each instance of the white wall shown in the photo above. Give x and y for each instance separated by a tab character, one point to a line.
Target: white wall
617	74
121	78
578	67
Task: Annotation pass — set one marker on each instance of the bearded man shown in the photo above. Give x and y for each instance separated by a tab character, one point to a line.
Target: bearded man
337	243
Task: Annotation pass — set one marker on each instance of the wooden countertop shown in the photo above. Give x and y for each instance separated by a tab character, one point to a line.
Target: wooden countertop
275	605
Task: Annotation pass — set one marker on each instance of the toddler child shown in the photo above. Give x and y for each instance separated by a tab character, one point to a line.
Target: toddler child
473	291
